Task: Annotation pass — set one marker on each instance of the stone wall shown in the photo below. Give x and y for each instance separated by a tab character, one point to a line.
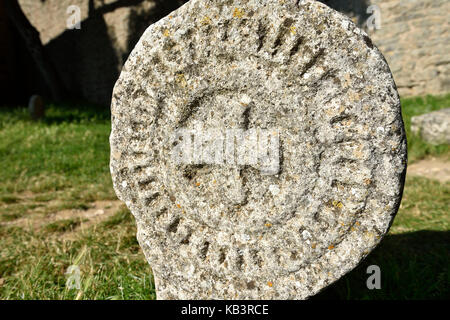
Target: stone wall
413	36
89	60
415	41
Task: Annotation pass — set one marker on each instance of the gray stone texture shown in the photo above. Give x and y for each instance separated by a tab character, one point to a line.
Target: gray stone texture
433	127
228	231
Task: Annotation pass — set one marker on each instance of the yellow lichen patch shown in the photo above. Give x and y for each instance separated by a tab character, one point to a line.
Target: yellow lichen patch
340	186
367	181
269	283
313	246
198	184
206	20
166	33
357	223
330	247
347	80
347	122
237	13
369	234
293	30
337	204
358	153
329	112
178	206
181	80
214	181
354	96
268	225
116	155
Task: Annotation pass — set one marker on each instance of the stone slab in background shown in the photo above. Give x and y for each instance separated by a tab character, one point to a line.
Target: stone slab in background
433	127
36	107
227	231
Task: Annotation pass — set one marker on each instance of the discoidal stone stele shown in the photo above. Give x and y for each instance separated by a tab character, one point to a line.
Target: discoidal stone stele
260	146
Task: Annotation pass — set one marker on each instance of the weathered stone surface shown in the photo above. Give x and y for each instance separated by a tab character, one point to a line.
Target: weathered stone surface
294	68
433	127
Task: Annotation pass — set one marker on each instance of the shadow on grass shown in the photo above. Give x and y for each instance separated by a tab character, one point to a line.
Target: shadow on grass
67	112
76	112
413	266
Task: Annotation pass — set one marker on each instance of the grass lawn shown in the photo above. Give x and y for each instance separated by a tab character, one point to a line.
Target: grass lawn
61	165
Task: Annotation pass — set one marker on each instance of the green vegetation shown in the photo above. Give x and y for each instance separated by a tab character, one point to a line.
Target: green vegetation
60	164
414	256
33	264
62	225
417	148
67	151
